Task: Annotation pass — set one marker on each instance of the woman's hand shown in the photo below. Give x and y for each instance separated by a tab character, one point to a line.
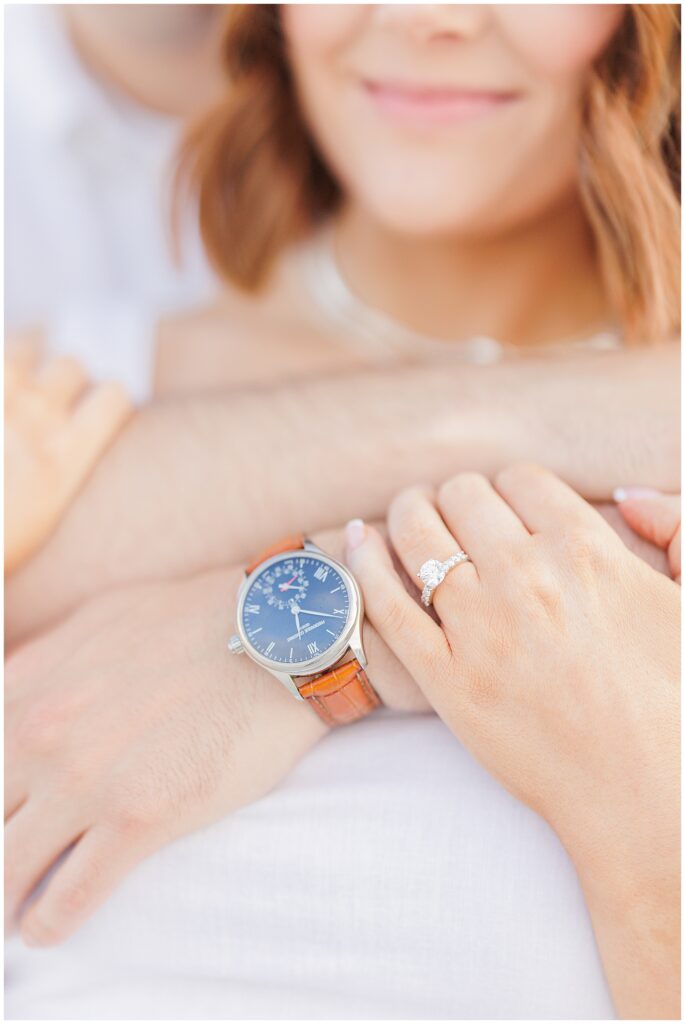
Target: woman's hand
56	429
132	724
656	518
556	661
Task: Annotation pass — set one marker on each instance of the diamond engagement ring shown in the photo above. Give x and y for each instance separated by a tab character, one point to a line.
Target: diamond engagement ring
432	573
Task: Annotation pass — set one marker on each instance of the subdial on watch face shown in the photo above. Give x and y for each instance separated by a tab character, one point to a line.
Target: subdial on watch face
284	585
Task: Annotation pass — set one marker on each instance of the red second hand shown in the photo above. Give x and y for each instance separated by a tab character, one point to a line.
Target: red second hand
284	586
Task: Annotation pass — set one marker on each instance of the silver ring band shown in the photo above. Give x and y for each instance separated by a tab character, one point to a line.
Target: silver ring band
433	572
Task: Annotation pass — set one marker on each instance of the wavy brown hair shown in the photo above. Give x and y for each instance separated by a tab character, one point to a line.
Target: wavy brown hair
261	184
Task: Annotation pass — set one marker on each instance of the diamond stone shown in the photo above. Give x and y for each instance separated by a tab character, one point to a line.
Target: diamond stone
431	572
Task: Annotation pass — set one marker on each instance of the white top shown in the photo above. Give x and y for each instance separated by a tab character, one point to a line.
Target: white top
389	876
87	208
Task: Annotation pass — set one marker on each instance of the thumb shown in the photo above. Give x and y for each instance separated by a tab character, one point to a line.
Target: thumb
655	517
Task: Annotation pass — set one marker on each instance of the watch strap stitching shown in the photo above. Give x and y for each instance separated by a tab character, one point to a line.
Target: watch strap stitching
341	695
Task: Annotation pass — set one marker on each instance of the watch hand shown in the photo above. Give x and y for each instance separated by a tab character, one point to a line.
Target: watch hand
296	612
326	615
286	586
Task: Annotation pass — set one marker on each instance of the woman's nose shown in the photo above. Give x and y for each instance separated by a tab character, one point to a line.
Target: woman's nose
431	22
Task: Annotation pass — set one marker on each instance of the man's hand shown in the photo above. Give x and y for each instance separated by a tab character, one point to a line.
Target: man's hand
56	429
132	724
188	486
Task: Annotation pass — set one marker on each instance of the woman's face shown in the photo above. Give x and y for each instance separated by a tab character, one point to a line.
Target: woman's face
444	118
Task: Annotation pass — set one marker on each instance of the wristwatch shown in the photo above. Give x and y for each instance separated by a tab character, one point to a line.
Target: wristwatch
300	616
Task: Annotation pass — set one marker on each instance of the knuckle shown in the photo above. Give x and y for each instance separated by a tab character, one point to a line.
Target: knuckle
77	774
12	875
38	725
519	558
131	821
409	532
459	485
73	898
410	497
41	931
405	508
437	662
133	815
481	688
586	548
545	588
390	617
517	474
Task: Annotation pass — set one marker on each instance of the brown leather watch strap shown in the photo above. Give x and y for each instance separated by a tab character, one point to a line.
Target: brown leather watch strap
341	695
294	543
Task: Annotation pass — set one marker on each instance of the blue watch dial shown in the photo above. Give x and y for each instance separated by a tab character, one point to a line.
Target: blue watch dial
296	609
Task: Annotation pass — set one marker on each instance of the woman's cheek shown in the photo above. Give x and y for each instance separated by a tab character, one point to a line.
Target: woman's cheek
558	40
319	30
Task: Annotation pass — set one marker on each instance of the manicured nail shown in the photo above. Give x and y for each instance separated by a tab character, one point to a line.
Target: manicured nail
626	493
355	533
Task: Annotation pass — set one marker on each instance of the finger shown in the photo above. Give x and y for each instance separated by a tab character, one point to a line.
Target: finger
34	838
656	518
545	503
390	678
485	524
20	364
674	557
15	784
61	381
418	534
410	633
86	878
91	428
14	800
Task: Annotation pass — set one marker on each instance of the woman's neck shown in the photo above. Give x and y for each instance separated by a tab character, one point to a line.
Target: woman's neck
538	283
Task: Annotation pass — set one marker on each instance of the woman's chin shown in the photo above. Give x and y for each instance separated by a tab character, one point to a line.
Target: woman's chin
425	221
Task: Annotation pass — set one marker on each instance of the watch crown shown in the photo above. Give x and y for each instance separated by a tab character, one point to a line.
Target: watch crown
235	645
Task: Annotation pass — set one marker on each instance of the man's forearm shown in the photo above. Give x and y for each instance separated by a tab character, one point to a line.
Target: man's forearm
201	482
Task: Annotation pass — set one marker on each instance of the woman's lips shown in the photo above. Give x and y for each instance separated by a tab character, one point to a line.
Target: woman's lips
431	105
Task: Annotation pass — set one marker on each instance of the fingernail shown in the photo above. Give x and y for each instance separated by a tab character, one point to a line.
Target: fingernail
625	493
355	533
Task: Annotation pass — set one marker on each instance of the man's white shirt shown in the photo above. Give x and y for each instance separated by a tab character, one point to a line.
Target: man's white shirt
88	182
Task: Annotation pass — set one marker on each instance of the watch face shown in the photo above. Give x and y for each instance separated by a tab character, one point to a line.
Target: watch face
296	609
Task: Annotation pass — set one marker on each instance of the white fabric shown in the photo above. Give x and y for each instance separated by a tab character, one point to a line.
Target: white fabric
388	877
87	208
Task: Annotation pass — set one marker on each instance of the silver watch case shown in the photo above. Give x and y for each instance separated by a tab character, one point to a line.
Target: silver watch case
349	640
